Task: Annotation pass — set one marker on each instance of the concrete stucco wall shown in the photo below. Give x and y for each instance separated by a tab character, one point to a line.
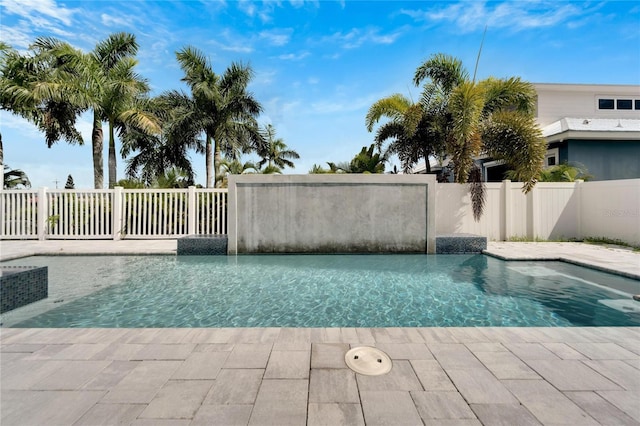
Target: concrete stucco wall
331	213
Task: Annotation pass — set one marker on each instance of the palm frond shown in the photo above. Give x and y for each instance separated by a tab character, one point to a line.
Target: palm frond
392	107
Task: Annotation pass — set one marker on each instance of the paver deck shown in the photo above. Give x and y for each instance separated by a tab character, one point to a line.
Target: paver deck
294	376
298	376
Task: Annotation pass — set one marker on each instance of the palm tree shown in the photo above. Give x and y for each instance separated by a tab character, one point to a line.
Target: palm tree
173	177
220	106
104	81
274	152
493	116
30	87
564	172
317	169
234	167
414	128
366	161
341	167
14	178
151	154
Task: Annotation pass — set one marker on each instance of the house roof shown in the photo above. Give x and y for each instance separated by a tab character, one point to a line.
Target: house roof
592	128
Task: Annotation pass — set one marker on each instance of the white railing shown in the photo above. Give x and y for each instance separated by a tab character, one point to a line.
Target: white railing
18	214
79	214
112	213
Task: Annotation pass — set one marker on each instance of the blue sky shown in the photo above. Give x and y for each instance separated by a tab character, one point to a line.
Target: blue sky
319	65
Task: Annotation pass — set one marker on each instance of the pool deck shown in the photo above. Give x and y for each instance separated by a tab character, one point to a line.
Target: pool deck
297	376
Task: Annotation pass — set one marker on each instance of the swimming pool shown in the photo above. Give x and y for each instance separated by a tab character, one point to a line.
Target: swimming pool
323	291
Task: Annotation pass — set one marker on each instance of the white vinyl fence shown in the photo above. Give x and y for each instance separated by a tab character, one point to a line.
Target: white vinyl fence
112	213
601	209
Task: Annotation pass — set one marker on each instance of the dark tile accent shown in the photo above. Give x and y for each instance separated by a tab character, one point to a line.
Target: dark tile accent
202	245
21	285
460	244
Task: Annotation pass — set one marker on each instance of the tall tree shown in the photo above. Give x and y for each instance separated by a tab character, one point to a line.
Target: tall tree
492	116
416	130
69	184
31	86
274	152
103	80
151	154
220	107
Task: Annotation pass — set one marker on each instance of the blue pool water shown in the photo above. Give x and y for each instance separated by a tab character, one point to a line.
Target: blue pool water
324	291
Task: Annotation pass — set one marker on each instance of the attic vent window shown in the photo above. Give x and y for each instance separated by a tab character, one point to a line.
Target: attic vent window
618	104
624	104
606	104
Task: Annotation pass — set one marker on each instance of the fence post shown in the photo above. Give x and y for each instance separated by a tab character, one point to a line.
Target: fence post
578	192
534	213
42	213
191	211
508	211
116	212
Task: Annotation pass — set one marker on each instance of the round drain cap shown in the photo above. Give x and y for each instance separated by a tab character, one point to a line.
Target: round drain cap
368	361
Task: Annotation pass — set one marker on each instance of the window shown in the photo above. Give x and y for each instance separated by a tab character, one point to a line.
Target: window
624	104
605	104
618	104
551	157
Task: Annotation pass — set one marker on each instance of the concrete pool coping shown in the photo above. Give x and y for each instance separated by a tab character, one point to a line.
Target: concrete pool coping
297	376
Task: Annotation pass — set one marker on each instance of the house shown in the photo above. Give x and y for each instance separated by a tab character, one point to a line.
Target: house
594	125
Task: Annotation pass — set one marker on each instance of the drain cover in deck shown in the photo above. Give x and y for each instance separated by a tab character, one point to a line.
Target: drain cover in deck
368	361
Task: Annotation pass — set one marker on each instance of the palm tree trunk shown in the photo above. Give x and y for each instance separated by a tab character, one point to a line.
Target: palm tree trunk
216	160
207	157
1	155
112	157
427	163
96	143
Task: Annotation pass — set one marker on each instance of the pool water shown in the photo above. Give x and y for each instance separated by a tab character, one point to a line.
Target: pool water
324	291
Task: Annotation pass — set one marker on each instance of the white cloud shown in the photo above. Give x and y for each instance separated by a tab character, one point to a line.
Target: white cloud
35	17
116	21
252	10
294	56
17	37
33	9
264	77
14	122
517	16
278	37
357	37
342	105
